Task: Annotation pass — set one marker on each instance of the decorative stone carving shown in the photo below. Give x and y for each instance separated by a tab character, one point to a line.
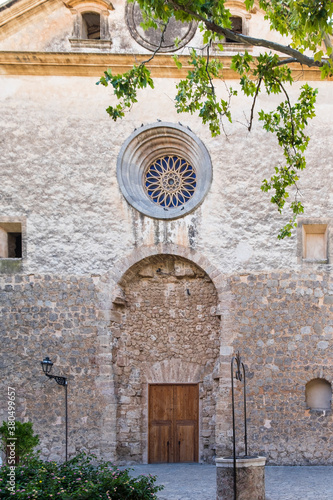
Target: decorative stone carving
151	38
143	149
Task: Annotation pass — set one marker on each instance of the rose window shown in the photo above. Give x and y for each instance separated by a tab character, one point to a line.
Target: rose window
164	170
170	181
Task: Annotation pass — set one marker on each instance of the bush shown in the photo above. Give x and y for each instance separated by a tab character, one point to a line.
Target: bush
78	479
25	440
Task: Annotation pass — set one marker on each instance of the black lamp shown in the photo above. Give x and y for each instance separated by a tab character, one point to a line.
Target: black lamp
47	367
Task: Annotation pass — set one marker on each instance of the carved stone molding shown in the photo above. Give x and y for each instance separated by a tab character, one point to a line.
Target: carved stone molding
146	146
89	64
150	39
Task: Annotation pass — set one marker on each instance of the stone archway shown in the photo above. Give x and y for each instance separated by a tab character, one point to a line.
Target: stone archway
167	332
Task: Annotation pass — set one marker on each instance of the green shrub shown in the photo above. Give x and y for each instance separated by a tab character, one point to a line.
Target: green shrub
78	479
24	439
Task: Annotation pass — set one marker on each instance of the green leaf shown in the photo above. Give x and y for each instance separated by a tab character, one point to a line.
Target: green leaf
177	62
318	55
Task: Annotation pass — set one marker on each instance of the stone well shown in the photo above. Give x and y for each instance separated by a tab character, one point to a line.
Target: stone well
250	478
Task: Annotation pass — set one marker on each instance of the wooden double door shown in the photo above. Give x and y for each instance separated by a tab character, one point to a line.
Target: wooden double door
173	423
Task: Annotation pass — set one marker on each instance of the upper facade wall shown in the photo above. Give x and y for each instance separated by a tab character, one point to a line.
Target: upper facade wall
50	26
59	176
60	154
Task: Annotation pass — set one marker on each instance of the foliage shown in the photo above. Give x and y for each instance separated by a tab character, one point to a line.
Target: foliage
288	123
308	26
78	479
25	439
125	88
197	93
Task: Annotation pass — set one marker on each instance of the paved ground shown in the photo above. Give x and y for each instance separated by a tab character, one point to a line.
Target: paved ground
197	482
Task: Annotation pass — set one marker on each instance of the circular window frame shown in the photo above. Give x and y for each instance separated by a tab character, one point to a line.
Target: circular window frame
144	42
146	145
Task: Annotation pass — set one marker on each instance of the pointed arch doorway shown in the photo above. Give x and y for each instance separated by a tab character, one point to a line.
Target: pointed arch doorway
173	421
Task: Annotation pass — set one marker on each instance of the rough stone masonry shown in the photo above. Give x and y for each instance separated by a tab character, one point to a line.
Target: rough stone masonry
281	323
120	300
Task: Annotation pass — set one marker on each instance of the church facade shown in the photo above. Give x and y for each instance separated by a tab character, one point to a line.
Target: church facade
140	256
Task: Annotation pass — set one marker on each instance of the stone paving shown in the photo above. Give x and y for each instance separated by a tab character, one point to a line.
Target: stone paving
197	482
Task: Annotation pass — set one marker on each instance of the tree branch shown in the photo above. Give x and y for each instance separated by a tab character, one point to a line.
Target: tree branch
291	114
260	42
253	104
249	40
207	70
159	46
286	61
328	44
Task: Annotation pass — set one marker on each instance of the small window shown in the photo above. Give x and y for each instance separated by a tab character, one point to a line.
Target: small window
318	394
10	240
315	242
91	26
240	23
236	26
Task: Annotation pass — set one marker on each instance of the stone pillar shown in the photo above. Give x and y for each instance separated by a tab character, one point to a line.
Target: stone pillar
3	244
77	23
250	474
105	32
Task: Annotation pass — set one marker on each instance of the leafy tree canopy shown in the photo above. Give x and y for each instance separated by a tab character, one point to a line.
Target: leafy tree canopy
308	25
23	436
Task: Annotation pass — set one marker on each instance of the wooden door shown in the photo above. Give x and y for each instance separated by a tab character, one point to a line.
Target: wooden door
173	423
186	398
160	423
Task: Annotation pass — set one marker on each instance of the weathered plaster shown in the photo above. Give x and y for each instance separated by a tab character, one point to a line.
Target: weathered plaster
78	226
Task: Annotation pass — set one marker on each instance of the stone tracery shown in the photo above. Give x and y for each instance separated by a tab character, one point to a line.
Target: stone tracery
170	181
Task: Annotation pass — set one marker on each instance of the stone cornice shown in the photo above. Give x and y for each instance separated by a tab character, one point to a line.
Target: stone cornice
93	64
17	9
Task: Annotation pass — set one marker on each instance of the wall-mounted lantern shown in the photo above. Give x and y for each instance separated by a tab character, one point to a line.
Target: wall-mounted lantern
47	367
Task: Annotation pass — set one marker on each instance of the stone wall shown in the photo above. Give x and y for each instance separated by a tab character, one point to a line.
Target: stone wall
49	27
284	326
55	316
170	334
154	332
114	324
